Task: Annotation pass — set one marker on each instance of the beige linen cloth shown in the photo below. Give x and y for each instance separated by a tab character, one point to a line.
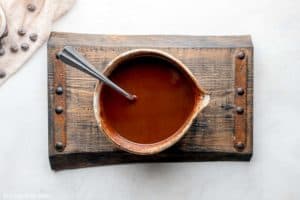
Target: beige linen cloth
32	17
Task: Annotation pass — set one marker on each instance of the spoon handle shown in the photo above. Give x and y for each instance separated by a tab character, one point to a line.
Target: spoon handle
71	57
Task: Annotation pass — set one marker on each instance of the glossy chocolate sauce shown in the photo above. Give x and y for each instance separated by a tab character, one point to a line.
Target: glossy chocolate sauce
165	99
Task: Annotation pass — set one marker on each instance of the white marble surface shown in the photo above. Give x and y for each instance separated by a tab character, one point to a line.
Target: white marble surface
273	173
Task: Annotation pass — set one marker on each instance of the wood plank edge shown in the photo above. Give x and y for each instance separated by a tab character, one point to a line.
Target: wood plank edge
81	160
50	121
93	40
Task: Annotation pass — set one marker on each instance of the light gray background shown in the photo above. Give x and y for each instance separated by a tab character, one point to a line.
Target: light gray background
273	173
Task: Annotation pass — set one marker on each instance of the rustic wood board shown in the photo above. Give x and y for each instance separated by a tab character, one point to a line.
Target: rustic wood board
212	59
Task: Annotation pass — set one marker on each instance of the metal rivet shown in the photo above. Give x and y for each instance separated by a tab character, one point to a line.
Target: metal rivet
241	55
240	91
240	145
31	7
59	146
24	46
21	31
59	90
2	74
239	110
14	48
33	37
2	51
59	110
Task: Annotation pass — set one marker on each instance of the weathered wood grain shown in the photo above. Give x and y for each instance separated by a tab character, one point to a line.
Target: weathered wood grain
210	58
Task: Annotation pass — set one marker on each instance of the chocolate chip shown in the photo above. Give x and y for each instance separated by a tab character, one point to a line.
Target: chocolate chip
33	37
14	48
31	7
21	31
2	51
2	74
24	46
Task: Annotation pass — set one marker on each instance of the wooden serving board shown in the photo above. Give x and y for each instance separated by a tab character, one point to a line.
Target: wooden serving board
223	131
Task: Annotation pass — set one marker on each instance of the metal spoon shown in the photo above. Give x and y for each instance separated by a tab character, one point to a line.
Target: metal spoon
71	57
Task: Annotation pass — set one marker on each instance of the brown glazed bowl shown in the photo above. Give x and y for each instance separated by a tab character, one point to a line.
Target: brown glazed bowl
202	100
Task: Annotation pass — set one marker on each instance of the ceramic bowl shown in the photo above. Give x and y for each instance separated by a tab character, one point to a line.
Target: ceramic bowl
202	100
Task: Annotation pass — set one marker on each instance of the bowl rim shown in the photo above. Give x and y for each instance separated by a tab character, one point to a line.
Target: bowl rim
202	100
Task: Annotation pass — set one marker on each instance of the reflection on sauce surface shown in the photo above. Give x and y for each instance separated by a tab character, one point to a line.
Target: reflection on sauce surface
165	99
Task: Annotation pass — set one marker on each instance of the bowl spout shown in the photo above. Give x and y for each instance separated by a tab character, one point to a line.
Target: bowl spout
205	101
